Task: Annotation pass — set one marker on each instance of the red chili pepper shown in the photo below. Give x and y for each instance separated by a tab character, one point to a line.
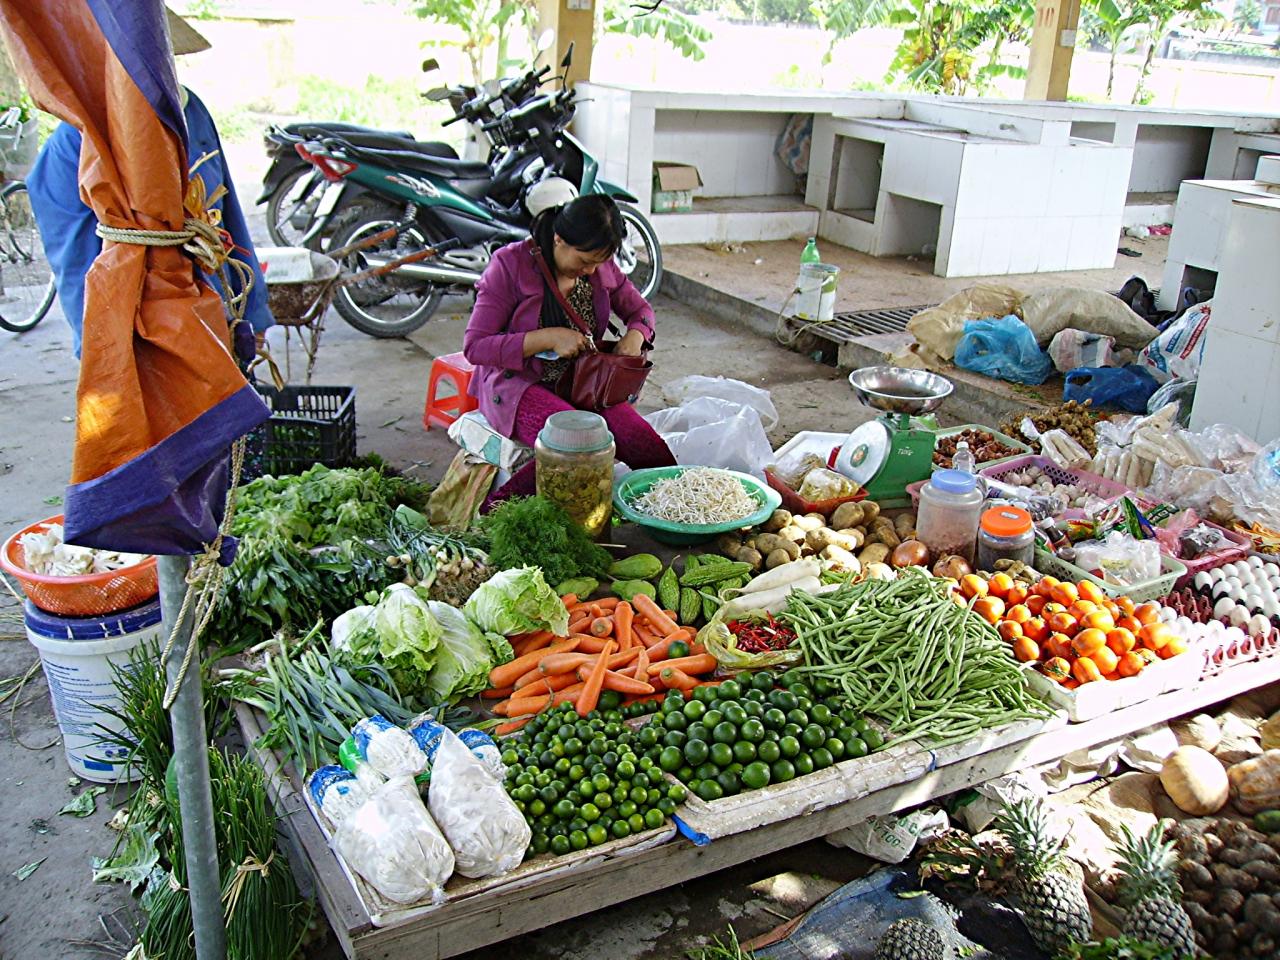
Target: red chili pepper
762	637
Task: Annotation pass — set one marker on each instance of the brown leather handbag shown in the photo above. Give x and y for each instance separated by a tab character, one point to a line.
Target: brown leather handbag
598	379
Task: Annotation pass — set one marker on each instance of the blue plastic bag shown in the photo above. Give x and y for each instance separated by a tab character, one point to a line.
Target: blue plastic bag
1003	347
1128	387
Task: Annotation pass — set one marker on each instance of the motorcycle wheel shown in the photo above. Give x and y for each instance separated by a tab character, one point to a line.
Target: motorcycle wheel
640	256
388	306
289	215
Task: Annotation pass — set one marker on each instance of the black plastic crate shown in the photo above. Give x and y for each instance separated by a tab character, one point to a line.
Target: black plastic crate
308	425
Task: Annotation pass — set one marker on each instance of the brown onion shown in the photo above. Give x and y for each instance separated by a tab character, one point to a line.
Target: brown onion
910	553
952	567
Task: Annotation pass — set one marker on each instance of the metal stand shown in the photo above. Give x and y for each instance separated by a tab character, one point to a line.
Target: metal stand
191	750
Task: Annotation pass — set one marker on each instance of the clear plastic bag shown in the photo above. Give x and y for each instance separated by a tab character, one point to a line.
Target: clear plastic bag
716	432
721	643
486	831
1121	559
822	484
393	843
1005	348
680	392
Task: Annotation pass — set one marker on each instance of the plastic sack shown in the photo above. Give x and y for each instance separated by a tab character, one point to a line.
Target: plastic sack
337	792
1179	349
891	839
393	843
1049	312
428	732
386	748
487	832
978	807
1071	348
938	330
455	503
715	432
721	643
681	391
1004	348
1120	559
1128	388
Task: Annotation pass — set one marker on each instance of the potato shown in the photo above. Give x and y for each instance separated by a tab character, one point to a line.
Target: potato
816	540
870	511
793	532
858	535
810	521
777	558
729	544
873	553
904	524
880	571
847	515
882	531
777	520
841	559
747	555
767	543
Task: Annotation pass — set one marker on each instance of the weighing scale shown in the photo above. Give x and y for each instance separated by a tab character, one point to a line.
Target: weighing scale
892	451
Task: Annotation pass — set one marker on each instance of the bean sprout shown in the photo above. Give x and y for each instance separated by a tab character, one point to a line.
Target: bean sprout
700	496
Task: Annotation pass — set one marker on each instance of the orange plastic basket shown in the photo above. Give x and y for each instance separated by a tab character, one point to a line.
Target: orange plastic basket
89	595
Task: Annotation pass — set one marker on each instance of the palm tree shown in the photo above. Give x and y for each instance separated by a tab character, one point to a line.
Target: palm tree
1108	19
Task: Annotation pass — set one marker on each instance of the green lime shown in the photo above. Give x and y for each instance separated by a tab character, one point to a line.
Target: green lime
822	758
774	719
560	845
610	759
651	797
835	746
696	752
578	840
541	843
789	746
626	808
854	746
638	794
706	771
783	699
813	736
694	709
537	808
755	776
735	714
781	771
744	751
674	738
753	696
597	834
626	769
729	783
792	730
667	806
653	819
685	773
768	751
762	680
803	763
620	829
636	822
601	782
549	794
603	800
673	702
729	690
873	738
677	650
721	754
610	700
724	733
752	730
820	713
801	690
676	793
698	731
670	759
577	772
709	790
704	694
621	792
675	721
858	723
798	717
589	812
712	717
563	809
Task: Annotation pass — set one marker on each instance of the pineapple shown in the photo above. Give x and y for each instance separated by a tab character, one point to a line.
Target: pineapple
1149	891
911	940
1050	887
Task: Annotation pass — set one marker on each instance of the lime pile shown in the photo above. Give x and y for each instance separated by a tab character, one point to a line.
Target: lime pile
583	781
746	734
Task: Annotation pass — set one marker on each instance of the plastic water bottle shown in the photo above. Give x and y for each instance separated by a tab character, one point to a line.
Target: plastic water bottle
963	459
810	253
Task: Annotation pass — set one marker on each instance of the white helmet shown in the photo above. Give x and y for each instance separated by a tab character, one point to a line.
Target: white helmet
551	192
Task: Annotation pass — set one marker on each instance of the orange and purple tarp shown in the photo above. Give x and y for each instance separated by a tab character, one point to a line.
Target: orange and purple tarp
160	396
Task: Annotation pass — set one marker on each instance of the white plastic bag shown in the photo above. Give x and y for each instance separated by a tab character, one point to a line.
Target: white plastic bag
681	391
392	842
714	432
891	839
337	792
487	832
991	797
1072	348
386	748
1179	349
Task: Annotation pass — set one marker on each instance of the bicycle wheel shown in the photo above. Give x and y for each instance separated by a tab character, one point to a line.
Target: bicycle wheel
26	280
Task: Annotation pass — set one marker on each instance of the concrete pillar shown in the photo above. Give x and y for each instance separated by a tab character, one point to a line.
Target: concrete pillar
574	22
1053	42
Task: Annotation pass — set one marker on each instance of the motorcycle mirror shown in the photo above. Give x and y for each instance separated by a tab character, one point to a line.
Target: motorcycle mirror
437	94
430	64
545	40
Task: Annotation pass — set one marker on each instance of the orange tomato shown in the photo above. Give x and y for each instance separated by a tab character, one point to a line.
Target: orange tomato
1105	658
1147	657
1025	649
1035	603
1154	636
1111	676
1131	664
1175	646
989	609
1071	683
1087	642
1099	620
1009	630
1125	604
972	585
1091	591
1086	671
1018	613
998	586
1036	629
1017	594
1055	668
1112	609
1121	641
1082	608
1045	586
1147	613
1063	623
1051	608
1065	594
1128	623
1059	645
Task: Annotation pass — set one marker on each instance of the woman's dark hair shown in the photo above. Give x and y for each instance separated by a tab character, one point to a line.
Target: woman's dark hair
591	222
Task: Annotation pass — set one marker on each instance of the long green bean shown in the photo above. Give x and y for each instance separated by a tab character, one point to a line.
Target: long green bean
906	652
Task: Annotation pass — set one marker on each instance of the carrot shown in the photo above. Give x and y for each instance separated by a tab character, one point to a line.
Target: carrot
642	664
511	726
500	708
623	614
526	678
590	644
570	600
602	626
647	608
591	688
567	695
546	685
508	673
658	651
520	708
702	663
642	633
580	625
536	641
616	681
567	663
599	608
496	693
676	679
561	663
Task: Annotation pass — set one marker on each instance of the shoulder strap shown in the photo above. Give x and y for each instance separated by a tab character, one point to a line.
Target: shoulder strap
571	313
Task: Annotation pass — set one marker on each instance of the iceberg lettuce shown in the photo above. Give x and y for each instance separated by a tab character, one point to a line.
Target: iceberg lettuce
408	638
464	657
517	601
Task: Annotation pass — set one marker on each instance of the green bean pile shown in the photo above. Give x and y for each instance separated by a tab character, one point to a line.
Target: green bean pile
906	652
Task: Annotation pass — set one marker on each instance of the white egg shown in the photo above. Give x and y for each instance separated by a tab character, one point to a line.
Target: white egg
1216	574
1239	616
1271	568
1223	607
1253	598
1234	635
1259	626
1271	606
1254	562
1202	581
1216	626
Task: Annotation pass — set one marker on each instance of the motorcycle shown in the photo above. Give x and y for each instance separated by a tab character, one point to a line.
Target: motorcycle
421	201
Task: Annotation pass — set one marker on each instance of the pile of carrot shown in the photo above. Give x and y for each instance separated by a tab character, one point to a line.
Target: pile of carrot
612	645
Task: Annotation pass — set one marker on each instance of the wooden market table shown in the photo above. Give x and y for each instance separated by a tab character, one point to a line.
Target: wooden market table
465	924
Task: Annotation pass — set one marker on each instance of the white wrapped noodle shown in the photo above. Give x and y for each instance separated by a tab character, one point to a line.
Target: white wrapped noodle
393	843
386	748
487	832
337	791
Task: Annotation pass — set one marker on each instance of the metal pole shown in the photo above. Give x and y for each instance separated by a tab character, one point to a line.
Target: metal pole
191	751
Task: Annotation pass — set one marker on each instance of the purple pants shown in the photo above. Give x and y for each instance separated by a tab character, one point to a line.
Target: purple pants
638	444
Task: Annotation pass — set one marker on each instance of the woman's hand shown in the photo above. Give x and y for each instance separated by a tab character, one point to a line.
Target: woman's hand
630	345
564	341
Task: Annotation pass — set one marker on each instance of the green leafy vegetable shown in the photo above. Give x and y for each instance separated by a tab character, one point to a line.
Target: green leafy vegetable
517	601
465	655
133	859
408	637
85	804
533	530
28	869
1120	948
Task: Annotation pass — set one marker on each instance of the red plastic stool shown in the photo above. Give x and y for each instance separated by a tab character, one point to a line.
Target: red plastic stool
443	410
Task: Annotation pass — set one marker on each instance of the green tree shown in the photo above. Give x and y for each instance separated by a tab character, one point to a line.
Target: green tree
841	19
1158	17
659	21
953	47
1109	22
486	25
1247	16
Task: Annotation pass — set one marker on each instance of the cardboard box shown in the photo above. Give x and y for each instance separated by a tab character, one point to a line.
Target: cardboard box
673	186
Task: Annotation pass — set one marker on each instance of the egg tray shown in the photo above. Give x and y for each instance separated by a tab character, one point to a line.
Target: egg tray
1199	608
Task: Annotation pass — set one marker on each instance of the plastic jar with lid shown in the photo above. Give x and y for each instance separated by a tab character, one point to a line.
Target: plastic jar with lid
950	506
1005	533
574	456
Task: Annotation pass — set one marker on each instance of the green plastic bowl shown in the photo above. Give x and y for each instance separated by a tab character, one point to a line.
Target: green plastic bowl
637	483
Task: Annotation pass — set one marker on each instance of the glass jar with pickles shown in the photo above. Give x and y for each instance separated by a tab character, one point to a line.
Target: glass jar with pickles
574	455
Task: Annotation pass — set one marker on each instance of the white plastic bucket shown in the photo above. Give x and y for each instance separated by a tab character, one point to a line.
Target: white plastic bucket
77	654
816	292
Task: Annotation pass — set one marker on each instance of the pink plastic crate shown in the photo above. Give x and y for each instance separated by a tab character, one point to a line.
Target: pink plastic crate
1104	488
1209	560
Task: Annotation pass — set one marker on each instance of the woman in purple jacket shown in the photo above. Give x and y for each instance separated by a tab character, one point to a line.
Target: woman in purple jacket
520	341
